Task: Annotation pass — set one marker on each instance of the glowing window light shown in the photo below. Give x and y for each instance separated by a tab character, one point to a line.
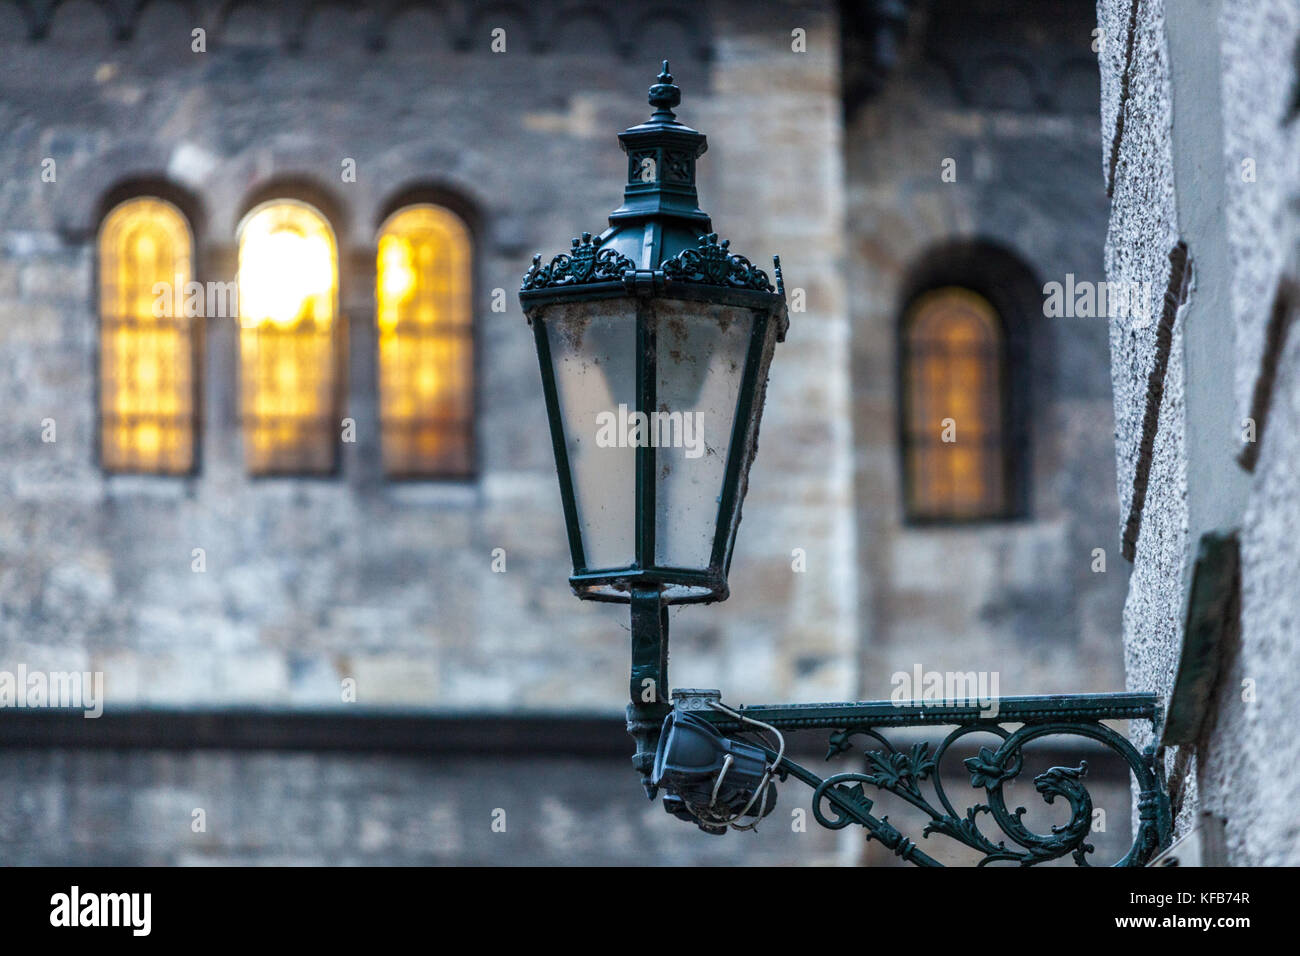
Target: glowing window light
146	356
288	302
423	291
952	369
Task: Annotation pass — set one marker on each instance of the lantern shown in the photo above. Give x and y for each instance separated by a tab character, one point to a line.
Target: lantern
654	342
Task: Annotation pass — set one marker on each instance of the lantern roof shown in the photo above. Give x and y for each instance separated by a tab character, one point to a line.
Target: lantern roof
660	215
659	236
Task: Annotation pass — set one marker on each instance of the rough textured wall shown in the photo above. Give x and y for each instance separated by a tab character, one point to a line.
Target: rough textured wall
311	581
1146	356
1248	776
1245	754
1241	769
1012	102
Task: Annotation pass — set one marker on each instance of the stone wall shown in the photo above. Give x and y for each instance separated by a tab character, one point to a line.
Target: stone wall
423	796
65	807
1008	103
308	582
311	581
1199	145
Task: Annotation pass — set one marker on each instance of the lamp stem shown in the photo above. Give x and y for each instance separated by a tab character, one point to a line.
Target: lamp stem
648	687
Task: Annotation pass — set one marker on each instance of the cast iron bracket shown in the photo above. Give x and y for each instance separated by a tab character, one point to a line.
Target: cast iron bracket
912	773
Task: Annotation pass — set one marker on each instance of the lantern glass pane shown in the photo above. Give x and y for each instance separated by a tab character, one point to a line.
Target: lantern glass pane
701	352
593	354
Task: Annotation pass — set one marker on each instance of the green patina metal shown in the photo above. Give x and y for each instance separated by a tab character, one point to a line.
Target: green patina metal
661	245
913	773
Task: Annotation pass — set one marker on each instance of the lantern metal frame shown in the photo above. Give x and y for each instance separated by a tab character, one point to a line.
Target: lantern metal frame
616	585
661	246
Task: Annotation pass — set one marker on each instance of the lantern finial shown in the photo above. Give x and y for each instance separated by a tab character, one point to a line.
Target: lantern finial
664	95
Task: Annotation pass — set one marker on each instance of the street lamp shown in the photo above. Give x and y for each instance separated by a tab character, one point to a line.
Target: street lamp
654	341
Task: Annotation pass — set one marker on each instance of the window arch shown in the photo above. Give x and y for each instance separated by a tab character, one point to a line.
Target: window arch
954	407
424	315
147	336
288	339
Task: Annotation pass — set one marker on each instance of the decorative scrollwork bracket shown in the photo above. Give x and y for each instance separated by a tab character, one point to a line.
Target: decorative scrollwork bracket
912	773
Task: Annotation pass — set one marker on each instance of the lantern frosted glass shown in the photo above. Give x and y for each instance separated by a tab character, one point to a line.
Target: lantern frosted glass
700	357
654	404
654	341
593	353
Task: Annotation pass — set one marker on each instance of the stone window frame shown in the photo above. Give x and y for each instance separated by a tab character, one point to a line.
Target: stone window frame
215	374
192	209
471	217
1000	276
321	199
314	449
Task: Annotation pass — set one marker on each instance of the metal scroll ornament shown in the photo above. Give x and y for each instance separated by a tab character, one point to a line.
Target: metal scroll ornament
585	262
912	775
985	823
712	263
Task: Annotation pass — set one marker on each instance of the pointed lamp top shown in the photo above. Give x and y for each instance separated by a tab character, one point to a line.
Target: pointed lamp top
664	95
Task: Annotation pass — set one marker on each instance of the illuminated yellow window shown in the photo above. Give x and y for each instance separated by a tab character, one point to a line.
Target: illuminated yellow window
146	358
426	359
288	305
953	407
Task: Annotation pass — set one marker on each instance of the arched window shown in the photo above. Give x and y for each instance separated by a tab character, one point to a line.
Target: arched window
426	357
147	356
288	355
954	409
